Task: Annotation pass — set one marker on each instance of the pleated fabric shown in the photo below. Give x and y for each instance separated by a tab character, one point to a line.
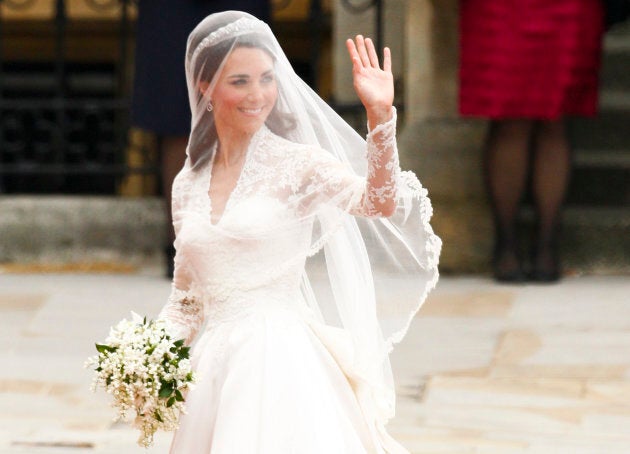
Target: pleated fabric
529	58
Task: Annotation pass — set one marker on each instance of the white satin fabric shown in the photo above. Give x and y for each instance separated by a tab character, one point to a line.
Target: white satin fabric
274	377
288	290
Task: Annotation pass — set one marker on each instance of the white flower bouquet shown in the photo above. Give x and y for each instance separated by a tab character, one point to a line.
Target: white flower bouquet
146	370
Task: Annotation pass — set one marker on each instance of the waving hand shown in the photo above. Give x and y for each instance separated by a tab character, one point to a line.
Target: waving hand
374	86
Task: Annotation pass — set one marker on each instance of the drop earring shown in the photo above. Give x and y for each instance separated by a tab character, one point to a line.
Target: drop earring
209	106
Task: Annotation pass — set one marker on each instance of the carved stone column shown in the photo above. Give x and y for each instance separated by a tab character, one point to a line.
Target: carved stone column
444	150
347	24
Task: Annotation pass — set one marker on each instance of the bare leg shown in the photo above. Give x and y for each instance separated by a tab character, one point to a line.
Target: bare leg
506	166
173	155
551	173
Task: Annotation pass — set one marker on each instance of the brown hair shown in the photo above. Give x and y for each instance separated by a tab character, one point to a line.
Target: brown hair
207	64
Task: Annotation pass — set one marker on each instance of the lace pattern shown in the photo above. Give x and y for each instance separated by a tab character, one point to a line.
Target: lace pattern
383	167
295	175
277	172
183	313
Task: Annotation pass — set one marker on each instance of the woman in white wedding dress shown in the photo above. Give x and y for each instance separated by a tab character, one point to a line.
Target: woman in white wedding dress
303	252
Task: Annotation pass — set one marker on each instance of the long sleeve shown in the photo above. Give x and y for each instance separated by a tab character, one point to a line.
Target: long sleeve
183	311
331	181
383	169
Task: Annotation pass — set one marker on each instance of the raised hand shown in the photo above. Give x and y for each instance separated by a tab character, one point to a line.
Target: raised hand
374	86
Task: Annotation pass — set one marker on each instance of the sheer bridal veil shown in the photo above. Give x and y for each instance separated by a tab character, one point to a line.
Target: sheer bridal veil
368	276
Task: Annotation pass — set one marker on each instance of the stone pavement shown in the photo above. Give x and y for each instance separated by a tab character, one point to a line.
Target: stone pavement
485	368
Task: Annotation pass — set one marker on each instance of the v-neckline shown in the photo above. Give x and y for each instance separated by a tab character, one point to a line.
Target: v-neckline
229	196
250	149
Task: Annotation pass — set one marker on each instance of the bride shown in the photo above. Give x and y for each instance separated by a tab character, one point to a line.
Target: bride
303	252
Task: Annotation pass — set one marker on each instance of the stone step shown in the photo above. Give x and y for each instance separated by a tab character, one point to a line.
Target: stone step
594	239
615	70
601	167
599	186
620	30
600	177
610	130
616	61
613	159
76	230
614	100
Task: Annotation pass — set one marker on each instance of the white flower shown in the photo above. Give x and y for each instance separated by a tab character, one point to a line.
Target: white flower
144	369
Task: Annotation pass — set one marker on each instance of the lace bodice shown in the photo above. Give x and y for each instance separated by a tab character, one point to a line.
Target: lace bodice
220	268
289	236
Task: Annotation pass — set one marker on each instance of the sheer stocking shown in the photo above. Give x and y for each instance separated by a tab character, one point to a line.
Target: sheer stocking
551	171
505	167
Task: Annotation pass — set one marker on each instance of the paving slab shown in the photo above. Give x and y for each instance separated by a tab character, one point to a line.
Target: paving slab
485	368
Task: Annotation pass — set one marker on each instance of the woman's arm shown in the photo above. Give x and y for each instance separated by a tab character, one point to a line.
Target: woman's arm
183	311
379	198
375	88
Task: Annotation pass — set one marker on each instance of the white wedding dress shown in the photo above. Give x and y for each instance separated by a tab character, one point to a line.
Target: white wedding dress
274	379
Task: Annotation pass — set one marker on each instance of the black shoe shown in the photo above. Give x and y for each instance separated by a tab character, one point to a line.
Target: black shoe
546	266
545	276
509	275
506	266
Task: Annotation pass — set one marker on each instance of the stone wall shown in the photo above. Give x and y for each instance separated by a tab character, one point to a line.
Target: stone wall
67	229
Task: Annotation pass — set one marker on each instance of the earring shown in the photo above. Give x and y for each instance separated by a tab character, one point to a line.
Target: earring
209	106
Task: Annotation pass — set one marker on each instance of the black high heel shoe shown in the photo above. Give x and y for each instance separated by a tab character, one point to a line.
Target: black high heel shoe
506	265
546	265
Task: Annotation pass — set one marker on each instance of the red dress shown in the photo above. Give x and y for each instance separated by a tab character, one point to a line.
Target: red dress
529	58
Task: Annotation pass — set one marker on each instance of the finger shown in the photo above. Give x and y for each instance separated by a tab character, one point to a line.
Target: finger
371	51
362	51
354	55
387	60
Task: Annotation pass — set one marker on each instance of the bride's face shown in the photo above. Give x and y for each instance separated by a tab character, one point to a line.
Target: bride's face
246	91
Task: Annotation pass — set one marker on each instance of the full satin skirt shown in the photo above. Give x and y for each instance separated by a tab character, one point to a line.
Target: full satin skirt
269	385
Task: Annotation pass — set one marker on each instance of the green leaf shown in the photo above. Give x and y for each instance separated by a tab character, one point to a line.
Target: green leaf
101	348
170	401
166	391
179	343
178	396
158	416
184	353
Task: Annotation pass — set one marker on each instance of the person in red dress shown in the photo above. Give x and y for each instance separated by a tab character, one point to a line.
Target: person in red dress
526	65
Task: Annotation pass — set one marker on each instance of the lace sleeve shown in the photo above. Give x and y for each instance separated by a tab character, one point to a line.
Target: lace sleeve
379	198
370	196
183	313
